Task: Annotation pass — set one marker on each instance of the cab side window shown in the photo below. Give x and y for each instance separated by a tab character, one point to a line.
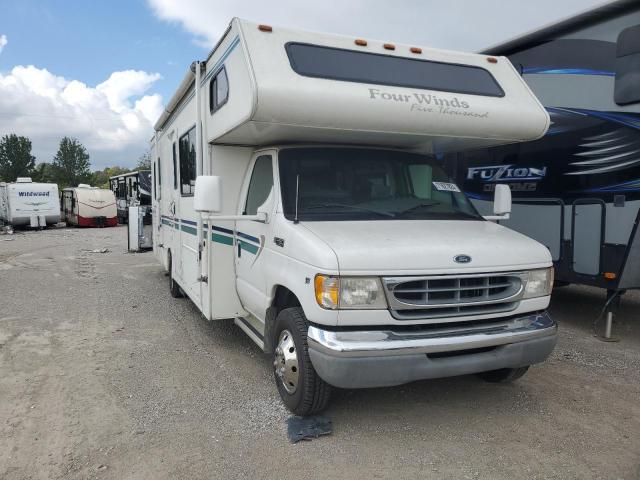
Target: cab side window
260	184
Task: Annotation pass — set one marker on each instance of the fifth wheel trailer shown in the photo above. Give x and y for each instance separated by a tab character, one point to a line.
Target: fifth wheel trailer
131	189
577	189
29	203
297	190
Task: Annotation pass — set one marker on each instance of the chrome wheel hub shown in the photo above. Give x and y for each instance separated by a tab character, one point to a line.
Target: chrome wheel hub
285	362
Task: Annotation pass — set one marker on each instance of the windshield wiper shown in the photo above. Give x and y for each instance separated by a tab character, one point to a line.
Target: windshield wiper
344	205
417	207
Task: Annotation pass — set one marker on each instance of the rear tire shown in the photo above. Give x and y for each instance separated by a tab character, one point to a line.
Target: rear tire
302	391
503	375
174	288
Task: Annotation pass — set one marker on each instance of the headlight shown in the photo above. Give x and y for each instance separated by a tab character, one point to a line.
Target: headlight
539	283
349	293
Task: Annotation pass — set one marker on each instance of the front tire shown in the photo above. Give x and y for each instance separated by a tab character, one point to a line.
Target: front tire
302	391
503	375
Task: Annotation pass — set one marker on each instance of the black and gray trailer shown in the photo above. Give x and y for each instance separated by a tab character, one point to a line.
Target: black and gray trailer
577	189
131	189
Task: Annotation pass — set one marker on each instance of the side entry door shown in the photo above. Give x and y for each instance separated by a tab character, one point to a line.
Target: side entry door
171	218
588	235
251	236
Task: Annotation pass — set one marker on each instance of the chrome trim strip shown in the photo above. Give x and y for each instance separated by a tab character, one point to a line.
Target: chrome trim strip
377	343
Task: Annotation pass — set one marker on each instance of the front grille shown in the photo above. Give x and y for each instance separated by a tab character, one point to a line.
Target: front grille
451	296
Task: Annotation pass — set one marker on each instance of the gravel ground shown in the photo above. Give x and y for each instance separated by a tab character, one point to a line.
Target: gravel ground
104	375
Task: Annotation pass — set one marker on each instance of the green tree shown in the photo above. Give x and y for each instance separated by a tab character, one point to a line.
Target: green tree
43	172
144	162
15	157
100	178
71	163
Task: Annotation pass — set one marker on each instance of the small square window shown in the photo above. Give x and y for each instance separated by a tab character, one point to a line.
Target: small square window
218	90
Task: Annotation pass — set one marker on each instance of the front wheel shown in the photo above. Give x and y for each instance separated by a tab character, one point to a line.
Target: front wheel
301	389
503	375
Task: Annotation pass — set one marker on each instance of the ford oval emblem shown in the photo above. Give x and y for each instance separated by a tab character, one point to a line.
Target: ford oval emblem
462	259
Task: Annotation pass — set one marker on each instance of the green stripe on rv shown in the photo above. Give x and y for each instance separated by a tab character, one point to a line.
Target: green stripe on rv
215	237
249	247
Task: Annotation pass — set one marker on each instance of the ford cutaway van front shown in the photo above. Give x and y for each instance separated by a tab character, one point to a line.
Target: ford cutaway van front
415	284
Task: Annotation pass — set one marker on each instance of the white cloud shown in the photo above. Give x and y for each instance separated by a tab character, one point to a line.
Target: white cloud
113	119
454	24
3	42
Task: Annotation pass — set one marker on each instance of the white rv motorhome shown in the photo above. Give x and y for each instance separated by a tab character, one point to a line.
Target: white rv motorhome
297	190
27	203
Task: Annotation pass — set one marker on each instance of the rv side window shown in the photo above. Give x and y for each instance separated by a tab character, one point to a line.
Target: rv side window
159	179
218	90
627	87
187	155
260	184
175	166
378	69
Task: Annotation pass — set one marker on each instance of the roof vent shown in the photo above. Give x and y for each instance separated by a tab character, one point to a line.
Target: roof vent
23	180
83	185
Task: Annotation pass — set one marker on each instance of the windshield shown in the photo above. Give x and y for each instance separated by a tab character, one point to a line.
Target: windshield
367	184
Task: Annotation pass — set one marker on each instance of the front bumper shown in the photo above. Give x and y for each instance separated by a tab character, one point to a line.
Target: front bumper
378	358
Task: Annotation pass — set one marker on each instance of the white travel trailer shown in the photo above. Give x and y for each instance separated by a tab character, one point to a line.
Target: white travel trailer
27	203
86	206
297	190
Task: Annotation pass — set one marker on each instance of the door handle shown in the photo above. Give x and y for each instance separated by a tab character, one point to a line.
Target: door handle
239	249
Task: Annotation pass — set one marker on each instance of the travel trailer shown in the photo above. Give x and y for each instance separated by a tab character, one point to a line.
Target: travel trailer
131	189
577	189
297	190
25	203
86	206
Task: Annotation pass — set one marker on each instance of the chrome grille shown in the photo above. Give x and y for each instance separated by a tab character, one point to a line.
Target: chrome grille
452	296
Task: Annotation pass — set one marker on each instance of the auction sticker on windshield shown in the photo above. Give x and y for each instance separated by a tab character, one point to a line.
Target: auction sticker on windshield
446	187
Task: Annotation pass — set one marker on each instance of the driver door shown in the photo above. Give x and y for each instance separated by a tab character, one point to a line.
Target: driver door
251	236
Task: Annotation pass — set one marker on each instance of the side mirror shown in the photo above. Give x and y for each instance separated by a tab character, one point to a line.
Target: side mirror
501	203
502	200
208	194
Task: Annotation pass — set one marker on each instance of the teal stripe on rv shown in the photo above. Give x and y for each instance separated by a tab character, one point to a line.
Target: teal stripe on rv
220	238
249	247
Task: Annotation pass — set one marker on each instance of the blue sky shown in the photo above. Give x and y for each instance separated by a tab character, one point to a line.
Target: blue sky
101	70
87	40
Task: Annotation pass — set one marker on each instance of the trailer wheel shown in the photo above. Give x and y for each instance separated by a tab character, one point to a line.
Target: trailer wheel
301	389
174	288
503	375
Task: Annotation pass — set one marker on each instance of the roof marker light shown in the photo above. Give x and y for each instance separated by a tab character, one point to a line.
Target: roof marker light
492	60
361	42
416	50
389	46
610	275
265	28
